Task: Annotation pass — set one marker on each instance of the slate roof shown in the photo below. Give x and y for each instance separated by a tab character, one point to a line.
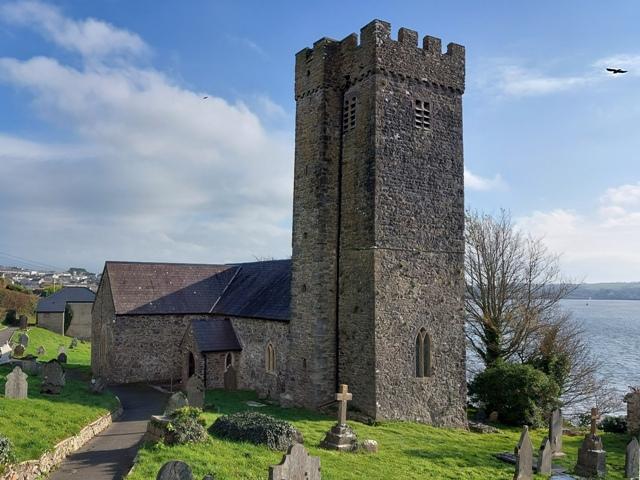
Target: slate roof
215	335
57	302
256	290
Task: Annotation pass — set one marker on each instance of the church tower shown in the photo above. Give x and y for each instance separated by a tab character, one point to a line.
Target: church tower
378	224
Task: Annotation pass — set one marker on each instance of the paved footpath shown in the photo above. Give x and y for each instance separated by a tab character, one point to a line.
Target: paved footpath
110	455
5	334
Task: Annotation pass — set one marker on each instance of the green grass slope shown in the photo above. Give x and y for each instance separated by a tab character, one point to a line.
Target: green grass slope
407	450
79	357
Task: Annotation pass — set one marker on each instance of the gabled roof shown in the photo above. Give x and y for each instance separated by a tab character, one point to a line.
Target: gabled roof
58	301
215	335
256	289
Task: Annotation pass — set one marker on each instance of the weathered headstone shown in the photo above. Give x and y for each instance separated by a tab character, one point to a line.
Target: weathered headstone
176	401
524	457
341	437
556	425
296	464
16	386
31	367
369	446
18	350
231	378
24	340
53	378
74	343
545	457
97	385
632	460
632	399
592	458
41	351
175	470
195	391
62	358
24	322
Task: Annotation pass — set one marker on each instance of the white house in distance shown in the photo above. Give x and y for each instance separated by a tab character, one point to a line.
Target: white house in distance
51	311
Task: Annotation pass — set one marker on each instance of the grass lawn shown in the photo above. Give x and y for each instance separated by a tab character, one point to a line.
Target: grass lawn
407	450
79	357
38	423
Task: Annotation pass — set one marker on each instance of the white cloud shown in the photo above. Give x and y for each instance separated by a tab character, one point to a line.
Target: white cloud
625	61
600	246
90	37
483	184
155	172
517	81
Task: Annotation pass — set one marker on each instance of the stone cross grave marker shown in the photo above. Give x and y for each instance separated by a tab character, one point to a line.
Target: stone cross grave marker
53	378
24	322
343	396
524	457
176	401
41	351
16	386
555	432
195	391
545	456
175	470
594	421
24	340
592	458
296	464
632	460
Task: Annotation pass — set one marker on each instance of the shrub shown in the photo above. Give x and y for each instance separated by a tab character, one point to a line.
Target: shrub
614	424
520	394
186	426
11	318
6	451
256	428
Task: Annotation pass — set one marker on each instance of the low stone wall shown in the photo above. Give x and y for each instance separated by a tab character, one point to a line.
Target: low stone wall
32	469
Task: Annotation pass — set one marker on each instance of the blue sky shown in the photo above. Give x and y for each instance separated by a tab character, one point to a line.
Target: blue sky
107	150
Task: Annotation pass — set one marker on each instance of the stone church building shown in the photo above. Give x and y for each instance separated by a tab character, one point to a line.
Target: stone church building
373	294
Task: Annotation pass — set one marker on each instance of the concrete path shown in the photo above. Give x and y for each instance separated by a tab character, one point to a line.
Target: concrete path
5	334
110	455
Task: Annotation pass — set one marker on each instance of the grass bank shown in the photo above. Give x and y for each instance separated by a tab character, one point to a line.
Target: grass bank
37	424
407	450
79	357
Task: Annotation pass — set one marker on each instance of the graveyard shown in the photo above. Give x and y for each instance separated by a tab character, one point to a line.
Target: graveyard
406	450
78	357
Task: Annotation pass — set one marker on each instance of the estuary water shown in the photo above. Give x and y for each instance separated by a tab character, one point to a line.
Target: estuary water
613	332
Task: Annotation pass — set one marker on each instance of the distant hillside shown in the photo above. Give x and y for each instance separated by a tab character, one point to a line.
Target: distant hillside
607	291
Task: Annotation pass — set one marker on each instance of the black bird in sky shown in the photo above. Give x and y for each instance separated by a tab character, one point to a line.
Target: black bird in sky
616	70
204	98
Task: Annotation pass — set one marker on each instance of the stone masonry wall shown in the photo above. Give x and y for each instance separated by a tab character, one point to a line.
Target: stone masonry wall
80	326
53	321
102	321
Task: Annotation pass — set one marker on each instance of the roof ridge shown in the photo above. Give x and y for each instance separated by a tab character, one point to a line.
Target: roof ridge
224	290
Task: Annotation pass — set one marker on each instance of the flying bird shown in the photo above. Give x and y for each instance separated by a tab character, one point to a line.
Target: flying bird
204	98
616	70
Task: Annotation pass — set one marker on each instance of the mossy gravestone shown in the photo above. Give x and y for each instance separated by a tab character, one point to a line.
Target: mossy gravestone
24	340
16	386
176	401
53	378
175	470
632	460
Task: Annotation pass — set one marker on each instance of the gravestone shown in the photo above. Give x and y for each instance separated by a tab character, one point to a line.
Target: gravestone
31	367
632	460
296	464
24	322
97	385
545	457
53	378
341	437
24	340
592	458
231	378
176	401
175	470
16	386
41	351
62	358
18	350
195	391
556	425
74	343
61	349
524	457
632	399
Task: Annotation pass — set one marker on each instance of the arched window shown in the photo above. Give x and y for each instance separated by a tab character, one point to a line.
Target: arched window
423	354
270	358
228	361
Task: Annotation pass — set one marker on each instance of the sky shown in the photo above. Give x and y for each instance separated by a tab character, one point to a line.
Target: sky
108	150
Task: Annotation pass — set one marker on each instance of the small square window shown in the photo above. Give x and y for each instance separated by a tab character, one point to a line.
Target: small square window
422	115
349	114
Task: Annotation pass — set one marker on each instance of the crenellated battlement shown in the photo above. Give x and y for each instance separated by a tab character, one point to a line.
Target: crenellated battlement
374	51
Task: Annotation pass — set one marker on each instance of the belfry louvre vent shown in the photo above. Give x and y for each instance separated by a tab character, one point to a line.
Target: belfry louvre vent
349	114
422	115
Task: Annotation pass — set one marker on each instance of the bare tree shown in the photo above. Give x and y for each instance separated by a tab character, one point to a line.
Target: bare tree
513	286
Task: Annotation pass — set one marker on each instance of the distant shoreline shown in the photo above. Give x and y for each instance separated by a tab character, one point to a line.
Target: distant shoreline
606	291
